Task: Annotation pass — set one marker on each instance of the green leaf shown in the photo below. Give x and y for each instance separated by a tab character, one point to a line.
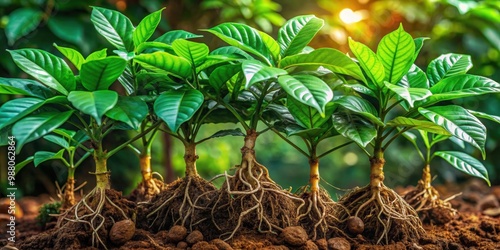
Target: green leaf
99	74
354	128
21	165
461	86
57	140
307	89
306	116
99	54
127	80
231	52
396	52
69	28
79	138
130	110
448	65
64	132
485	116
177	107
146	27
465	163
163	62
459	122
244	37
95	104
222	74
410	95
415	78
35	126
360	106
226	132
14	86
14	110
295	34
419	43
271	44
369	62
428	126
47	68
21	22
113	26
193	52
255	72
73	56
154	45
331	59
42	156
173	35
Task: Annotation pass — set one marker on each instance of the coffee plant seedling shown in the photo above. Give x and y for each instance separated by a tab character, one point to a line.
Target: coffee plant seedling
393	81
71	142
268	69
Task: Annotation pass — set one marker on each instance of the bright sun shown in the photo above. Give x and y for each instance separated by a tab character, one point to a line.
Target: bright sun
348	16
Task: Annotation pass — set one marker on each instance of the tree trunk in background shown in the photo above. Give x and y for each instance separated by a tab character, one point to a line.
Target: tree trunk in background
167	159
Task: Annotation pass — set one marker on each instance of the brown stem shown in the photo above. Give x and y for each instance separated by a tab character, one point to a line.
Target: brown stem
190	158
314	176
377	163
426	176
69	193
145	163
247	151
101	171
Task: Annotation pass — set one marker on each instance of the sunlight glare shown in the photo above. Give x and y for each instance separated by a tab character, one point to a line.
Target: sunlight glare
349	17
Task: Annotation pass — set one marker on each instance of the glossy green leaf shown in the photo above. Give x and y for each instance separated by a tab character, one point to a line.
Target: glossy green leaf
428	126
419	43
307	89
256	72
459	122
21	22
95	104
478	114
271	44
465	163
244	37
35	126
57	140
99	54
173	35
461	86
222	74
127	80
47	68
354	127
369	62
177	107
331	59
43	156
129	110
146	27
155	46
360	106
231	52
306	116
448	65
68	28
14	110
99	74
16	86
295	34
396	52
163	62
193	52
114	26
414	78
411	95
21	165
227	132
73	56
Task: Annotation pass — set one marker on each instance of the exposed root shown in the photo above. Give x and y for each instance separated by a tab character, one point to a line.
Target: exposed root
97	212
386	216
176	204
252	200
146	190
425	199
317	213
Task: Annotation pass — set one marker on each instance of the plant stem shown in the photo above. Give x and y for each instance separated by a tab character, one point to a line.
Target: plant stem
69	189
426	176
377	168
145	164
190	158
101	169
314	175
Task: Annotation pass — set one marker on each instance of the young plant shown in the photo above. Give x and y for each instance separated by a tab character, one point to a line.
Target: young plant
425	198
71	142
264	73
393	81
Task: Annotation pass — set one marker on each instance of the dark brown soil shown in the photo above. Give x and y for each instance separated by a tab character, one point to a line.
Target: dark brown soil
470	229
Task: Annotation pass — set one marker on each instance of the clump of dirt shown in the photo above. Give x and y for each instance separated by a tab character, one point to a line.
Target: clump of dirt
143	193
177	203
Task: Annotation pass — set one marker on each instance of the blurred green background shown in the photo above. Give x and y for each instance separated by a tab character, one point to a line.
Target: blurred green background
467	27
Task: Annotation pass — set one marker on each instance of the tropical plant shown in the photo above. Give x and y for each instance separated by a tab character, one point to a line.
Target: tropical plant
71	142
393	81
257	84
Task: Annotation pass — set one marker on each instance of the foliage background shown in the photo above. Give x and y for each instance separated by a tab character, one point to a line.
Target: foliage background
458	26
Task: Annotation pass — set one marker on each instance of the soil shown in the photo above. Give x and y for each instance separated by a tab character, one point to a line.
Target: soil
476	226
